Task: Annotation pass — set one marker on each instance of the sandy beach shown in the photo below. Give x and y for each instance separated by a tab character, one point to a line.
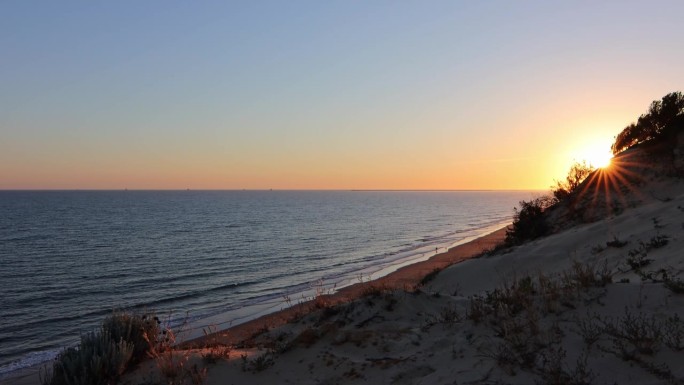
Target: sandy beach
406	278
598	301
342	193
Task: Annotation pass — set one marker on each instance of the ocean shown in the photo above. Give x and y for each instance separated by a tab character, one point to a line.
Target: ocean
69	258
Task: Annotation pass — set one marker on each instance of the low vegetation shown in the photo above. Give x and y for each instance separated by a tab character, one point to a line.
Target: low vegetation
98	360
522	317
121	342
102	356
660	127
529	222
576	175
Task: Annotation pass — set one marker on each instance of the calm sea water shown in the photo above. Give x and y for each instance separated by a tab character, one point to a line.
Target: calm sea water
67	259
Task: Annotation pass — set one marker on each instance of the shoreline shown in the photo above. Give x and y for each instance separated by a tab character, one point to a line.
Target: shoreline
326	287
406	277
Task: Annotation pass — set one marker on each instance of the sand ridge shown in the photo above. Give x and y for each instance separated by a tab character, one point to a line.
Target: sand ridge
569	308
598	302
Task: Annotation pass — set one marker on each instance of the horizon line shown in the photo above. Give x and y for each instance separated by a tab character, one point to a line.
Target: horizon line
264	189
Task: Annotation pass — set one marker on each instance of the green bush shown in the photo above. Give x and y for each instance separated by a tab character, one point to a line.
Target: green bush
98	360
529	222
140	331
102	356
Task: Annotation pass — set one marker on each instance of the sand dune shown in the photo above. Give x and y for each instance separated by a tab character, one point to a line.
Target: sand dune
601	301
569	308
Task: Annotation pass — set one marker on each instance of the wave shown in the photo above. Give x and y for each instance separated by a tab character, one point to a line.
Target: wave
334	282
329	239
29	360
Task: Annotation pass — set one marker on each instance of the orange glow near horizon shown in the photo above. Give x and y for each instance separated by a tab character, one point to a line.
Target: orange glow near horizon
236	96
441	153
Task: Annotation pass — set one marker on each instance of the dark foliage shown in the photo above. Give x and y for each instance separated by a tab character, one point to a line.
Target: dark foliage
141	331
103	355
529	222
576	175
662	122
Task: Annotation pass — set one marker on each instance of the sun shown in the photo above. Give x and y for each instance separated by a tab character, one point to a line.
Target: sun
600	159
595	155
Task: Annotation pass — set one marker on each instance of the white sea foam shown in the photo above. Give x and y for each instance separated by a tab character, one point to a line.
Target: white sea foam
29	360
69	258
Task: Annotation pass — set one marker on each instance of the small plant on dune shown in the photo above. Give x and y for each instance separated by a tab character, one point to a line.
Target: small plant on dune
320	298
549	290
656	222
213	350
142	331
675	285
673	333
448	315
258	364
552	371
390	301
174	367
603	274
640	331
522	341
97	360
510	300
213	353
597	249
504	357
375	290
325	314
171	365
123	340
429	277
372	292
590	328
657	242
636	259
478	309
616	243
196	376
583	276
661	275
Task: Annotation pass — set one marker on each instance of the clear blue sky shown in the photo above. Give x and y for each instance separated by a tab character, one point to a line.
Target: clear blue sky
170	94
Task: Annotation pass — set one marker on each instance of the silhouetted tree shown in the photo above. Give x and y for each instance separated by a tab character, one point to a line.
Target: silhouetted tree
576	175
653	124
529	222
674	127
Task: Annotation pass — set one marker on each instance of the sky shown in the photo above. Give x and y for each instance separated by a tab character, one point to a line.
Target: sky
323	94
